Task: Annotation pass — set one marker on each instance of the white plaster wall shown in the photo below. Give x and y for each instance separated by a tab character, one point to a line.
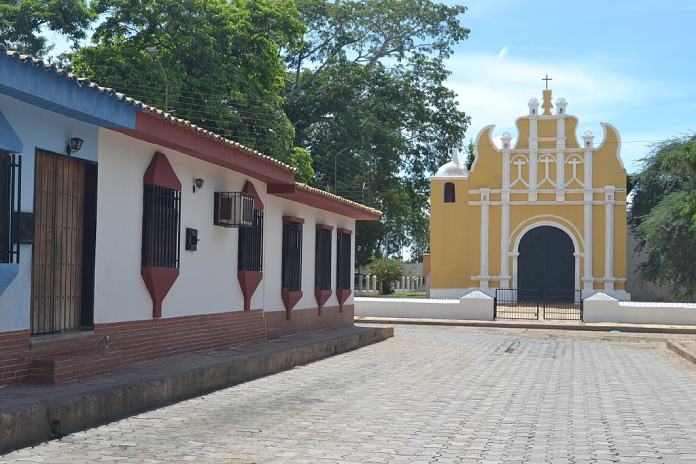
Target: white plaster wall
458	292
276	208
46	130
423	308
608	309
207	281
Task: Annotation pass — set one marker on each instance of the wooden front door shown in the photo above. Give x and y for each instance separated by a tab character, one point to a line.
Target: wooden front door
63	257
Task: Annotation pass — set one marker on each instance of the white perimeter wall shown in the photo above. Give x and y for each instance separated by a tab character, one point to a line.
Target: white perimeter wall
207	281
477	309
45	130
602	308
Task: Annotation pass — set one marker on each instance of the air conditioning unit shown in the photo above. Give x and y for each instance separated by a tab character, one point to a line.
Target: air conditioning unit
233	209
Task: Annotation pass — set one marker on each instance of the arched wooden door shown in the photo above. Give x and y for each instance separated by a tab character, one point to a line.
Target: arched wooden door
546	263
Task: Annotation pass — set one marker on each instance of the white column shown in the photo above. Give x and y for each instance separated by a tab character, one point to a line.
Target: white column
514	255
504	239
609	238
560	157
560	175
533	146
485	199
588	278
505	214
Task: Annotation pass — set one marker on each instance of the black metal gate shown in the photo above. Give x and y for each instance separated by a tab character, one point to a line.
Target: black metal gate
512	303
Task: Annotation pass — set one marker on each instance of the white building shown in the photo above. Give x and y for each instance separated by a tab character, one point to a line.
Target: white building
127	234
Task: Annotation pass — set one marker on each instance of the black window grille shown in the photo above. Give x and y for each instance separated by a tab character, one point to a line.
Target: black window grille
292	257
250	255
322	256
343	261
161	231
10	187
449	192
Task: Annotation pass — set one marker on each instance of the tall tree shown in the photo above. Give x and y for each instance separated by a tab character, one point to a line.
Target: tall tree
23	21
366	93
220	63
663	216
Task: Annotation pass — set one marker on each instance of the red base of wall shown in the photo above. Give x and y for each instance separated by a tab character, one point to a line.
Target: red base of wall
66	357
304	320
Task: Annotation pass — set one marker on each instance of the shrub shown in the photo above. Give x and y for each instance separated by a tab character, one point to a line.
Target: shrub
387	271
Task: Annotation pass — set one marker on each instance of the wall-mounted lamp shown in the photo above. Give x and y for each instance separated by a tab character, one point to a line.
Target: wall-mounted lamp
74	145
197	184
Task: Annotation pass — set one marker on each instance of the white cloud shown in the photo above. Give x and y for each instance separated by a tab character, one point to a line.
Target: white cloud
495	91
503	52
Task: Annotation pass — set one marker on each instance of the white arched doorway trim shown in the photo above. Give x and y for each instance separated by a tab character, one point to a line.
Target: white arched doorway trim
552	221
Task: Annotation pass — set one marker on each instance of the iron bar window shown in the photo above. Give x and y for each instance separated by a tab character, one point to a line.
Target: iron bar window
322	258
343	260
250	255
10	199
292	257
161	231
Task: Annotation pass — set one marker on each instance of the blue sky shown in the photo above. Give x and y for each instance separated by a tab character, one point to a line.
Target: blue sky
628	63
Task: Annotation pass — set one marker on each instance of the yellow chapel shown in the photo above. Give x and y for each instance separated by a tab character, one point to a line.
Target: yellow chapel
544	211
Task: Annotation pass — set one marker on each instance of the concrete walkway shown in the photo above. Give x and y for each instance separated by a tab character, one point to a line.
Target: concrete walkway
30	413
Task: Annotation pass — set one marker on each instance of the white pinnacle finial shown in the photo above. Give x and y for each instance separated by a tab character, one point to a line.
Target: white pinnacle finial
533	106
455	155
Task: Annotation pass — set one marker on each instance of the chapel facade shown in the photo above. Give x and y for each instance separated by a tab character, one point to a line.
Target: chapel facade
545	211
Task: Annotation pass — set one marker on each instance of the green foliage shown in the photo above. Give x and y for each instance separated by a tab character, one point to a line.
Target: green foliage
470	155
21	22
366	93
301	160
222	61
387	271
350	92
663	216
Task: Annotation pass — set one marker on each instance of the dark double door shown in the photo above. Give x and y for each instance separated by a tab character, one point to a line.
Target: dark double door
65	192
546	265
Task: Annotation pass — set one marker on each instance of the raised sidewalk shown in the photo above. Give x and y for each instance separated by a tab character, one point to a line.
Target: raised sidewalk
535	324
31	413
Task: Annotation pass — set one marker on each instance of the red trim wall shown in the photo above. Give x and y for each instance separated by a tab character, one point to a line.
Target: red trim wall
304	320
293	219
64	358
168	134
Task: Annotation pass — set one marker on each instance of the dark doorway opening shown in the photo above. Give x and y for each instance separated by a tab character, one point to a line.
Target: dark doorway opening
546	264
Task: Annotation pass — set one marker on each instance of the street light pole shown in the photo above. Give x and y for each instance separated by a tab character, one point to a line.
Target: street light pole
154	53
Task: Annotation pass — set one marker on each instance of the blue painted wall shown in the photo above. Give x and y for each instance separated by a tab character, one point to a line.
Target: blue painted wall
47	90
37	128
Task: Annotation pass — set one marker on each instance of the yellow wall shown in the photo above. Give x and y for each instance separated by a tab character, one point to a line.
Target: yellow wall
456	227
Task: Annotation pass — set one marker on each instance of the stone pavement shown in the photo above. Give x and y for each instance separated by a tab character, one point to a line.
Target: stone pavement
430	394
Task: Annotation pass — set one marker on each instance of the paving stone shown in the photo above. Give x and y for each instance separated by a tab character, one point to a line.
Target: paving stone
429	395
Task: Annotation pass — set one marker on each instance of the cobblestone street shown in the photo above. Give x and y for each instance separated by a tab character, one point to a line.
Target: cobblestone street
430	394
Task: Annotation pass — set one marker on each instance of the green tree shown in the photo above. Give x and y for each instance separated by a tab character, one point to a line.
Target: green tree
366	93
222	61
663	216
470	154
387	271
22	21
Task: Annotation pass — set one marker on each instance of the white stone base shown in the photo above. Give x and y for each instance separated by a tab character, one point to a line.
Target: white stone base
475	307
459	292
